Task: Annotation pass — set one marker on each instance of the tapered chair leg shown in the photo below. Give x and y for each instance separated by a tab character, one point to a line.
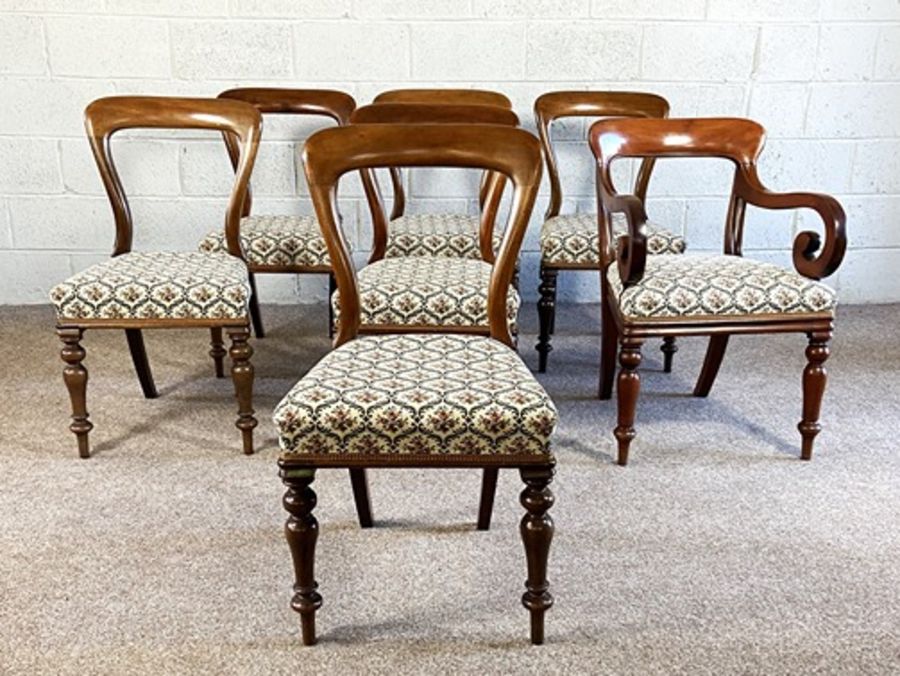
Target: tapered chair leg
217	350
814	378
627	389
360	484
609	344
242	375
255	314
715	352
302	531
668	348
488	491
141	363
546	311
76	378
536	529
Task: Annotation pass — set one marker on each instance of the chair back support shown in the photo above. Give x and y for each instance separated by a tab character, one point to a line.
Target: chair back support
331	103
445	96
492	184
555	105
738	140
515	153
235	119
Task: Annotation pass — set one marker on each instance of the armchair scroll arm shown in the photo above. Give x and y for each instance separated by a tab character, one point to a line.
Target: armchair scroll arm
812	258
631	250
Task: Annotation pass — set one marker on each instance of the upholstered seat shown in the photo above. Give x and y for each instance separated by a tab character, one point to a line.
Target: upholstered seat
423	291
277	241
417	394
696	285
188	285
453	235
574	239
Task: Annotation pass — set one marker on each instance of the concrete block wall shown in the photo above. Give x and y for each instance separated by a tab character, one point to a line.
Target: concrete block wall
822	75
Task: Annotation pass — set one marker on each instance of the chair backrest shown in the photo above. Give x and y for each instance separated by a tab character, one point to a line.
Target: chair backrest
330	103
492	183
512	152
555	105
445	96
735	139
234	119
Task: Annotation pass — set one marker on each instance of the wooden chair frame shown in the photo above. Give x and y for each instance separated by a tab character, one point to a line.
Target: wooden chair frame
741	142
328	155
333	104
553	106
103	118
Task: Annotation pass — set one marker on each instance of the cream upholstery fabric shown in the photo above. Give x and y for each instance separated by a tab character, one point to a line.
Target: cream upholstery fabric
454	235
277	241
435	291
573	239
157	285
421	394
695	285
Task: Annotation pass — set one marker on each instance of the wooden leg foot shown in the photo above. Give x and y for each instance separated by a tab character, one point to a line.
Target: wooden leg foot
76	378
628	386
536	529
360	483
217	350
302	531
242	375
668	348
814	379
546	313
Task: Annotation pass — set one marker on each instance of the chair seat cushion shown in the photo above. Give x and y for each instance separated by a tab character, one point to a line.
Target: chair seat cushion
574	239
454	235
421	291
699	285
417	394
157	285
277	241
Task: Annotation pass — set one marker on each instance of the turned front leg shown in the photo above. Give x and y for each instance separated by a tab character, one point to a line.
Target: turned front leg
302	531
537	533
76	378
242	375
628	387
814	378
546	314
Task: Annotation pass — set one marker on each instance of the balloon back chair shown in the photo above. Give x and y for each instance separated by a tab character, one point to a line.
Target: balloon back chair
570	242
696	295
440	399
155	290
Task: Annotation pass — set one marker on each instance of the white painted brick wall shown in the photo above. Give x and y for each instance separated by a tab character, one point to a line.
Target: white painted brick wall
822	75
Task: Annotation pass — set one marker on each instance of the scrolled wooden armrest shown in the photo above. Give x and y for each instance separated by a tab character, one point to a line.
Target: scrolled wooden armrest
811	258
631	250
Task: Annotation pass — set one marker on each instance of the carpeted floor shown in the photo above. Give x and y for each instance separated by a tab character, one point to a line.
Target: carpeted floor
716	551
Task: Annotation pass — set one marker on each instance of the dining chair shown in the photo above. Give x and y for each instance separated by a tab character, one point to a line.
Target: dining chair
274	243
714	295
162	289
570	242
438	399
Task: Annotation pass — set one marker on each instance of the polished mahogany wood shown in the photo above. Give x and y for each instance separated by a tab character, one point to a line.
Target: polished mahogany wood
740	141
483	97
536	529
142	363
302	532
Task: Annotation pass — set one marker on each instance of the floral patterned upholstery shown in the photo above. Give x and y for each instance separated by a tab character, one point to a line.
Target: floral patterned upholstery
454	235
277	241
157	285
417	394
423	291
573	239
694	285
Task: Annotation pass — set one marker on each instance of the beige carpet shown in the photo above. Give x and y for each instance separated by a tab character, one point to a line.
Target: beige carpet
716	551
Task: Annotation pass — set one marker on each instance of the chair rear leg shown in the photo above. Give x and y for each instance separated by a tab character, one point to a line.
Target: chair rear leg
488	491
217	350
301	531
546	312
255	313
242	375
627	389
141	363
715	352
536	529
609	344
814	379
360	483
668	348
76	378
